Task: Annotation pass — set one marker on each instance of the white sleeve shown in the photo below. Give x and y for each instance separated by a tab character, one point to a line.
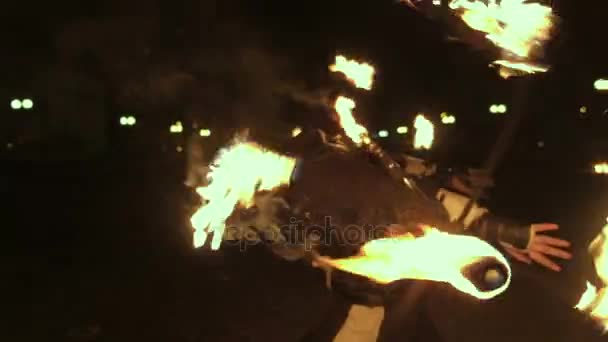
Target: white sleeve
456	204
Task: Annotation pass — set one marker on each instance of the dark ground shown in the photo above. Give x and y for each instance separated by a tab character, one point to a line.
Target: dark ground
104	246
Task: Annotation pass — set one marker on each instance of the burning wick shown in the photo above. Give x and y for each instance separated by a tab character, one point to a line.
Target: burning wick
467	263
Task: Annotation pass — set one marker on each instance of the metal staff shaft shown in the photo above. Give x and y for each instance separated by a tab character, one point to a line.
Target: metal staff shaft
392	167
502	144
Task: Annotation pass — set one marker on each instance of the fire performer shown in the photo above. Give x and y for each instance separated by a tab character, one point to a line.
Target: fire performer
355	192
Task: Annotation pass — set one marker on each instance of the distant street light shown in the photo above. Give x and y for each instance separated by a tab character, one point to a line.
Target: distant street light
601	85
383	134
16	104
128	121
601	168
498	109
402	130
205	133
447	119
176	127
27	104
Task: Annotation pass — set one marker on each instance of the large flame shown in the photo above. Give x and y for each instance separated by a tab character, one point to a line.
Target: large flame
357	133
425	133
360	74
237	173
516	26
594	301
435	256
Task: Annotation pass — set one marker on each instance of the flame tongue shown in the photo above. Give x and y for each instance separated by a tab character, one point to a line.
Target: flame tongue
360	74
357	133
434	256
237	173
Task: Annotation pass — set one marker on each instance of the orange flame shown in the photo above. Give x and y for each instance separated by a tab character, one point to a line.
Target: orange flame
593	301
425	133
356	132
360	74
435	256
237	173
515	26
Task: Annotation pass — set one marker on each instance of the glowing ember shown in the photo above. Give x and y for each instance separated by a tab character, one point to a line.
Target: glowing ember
516	26
361	74
237	173
425	133
357	133
595	302
435	256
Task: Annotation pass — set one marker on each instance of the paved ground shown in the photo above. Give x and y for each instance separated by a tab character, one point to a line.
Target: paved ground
100	250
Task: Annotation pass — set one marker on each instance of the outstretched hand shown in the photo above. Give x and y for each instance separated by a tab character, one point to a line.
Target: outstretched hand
542	248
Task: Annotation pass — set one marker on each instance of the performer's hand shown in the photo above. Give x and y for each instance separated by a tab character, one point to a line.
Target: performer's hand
542	247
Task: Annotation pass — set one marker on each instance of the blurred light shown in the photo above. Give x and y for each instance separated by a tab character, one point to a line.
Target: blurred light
27	104
402	130
176	127
425	133
601	168
447	119
131	121
498	108
437	2
9	146
383	134
583	110
541	144
124	121
205	132
295	132
179	149
16	104
601	84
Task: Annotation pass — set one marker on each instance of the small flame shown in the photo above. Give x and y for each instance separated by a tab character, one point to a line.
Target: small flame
593	301
360	74
435	256
237	173
516	26
587	298
425	133
356	132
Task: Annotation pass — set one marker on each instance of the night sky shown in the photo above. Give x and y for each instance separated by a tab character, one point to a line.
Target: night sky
236	63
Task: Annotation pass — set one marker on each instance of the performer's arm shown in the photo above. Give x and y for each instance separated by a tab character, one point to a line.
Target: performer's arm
525	243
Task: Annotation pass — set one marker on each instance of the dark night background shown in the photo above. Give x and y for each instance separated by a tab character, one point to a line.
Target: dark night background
96	222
